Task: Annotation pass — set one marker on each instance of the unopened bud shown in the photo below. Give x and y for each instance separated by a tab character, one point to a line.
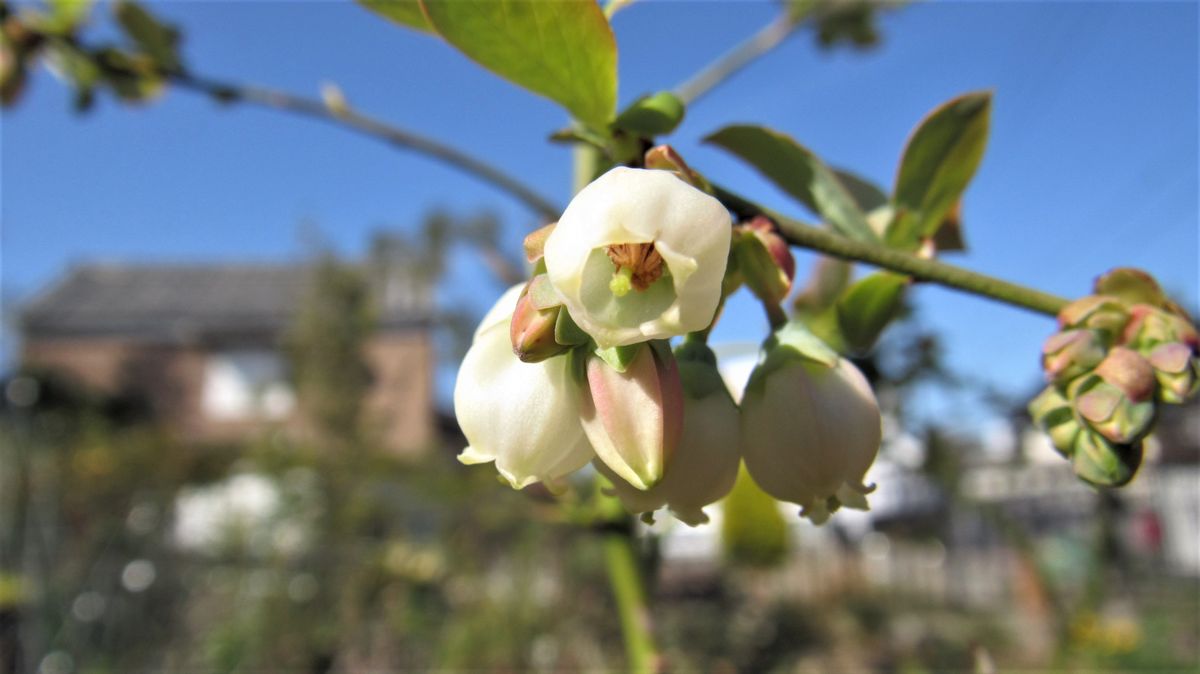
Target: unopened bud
1150	326
634	418
705	465
1131	286
1066	355
1098	312
535	242
664	157
334	99
1104	463
1177	370
1052	412
1110	412
533	324
764	259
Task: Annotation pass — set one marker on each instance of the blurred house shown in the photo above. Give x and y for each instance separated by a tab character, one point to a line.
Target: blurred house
203	346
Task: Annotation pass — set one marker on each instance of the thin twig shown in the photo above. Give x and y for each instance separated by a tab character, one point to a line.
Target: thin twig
766	39
807	236
369	126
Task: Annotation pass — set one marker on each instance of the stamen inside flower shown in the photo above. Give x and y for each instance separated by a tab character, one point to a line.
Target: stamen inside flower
638	266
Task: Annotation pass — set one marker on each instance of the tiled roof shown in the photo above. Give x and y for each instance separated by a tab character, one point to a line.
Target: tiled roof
188	301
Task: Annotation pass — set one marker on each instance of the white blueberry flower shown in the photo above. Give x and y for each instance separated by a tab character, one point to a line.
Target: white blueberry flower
639	255
810	426
705	464
523	416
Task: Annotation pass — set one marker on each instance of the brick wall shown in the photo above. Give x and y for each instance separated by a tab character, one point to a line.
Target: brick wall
170	378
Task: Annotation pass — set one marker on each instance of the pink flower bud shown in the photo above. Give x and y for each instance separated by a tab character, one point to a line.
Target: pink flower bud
532	329
634	418
705	465
764	259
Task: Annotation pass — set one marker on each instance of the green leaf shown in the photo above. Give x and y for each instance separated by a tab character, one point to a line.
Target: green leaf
66	15
866	194
868	307
799	172
654	115
407	13
564	51
939	161
159	41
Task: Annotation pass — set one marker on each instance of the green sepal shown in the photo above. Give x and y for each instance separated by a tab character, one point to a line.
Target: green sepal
619	357
789	344
566	332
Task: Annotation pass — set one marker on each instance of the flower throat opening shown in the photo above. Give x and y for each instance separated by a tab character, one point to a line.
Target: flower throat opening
638	266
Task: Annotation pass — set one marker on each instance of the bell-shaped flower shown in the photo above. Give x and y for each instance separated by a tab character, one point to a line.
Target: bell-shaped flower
705	464
638	255
810	425
523	416
634	417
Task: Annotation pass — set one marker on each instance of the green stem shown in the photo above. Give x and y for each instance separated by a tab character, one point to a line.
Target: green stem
775	315
369	126
626	582
807	236
766	39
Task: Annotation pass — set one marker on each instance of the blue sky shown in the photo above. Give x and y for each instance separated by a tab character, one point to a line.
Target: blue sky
1092	161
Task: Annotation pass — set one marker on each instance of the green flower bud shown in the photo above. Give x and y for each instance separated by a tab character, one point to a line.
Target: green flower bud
1052	412
1103	463
1150	326
1098	312
1177	370
764	260
1069	354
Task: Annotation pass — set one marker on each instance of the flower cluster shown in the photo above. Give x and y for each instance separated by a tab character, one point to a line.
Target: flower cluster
575	366
1118	354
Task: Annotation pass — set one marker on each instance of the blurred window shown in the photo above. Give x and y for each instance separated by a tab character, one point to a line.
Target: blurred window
247	384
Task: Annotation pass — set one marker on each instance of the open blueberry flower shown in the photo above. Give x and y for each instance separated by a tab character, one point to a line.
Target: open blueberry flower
638	255
523	416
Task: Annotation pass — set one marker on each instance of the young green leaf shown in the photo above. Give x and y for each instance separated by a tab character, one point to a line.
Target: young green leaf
799	172
404	12
654	115
865	310
564	51
938	163
866	194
